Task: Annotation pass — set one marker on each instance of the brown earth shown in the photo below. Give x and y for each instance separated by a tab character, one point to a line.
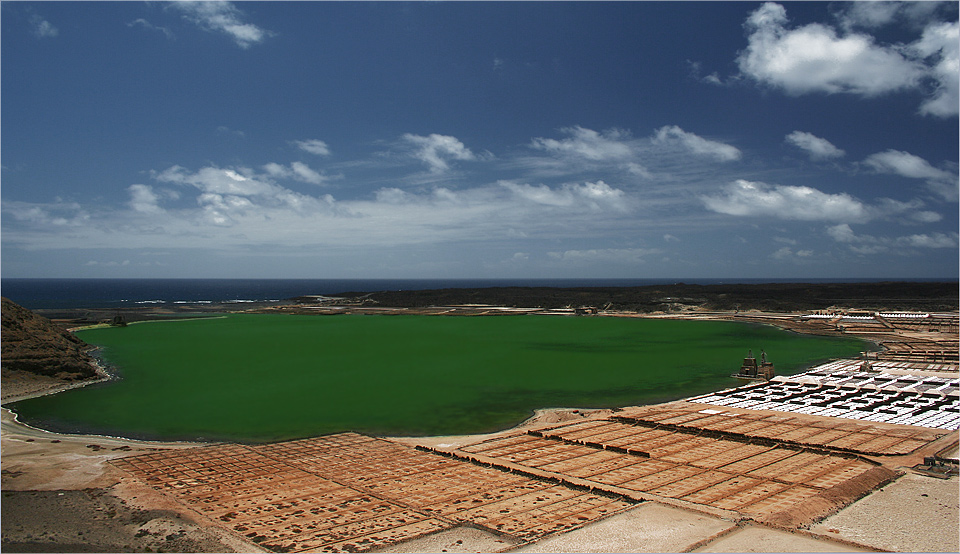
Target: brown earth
34	345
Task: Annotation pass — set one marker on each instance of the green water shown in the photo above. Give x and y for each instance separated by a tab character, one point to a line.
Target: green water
256	378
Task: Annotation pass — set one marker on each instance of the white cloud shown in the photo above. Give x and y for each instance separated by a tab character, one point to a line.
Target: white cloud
313	146
42	28
604	255
815	58
435	150
223	130
869	14
222	17
112	263
55	215
842	233
869	244
697	144
905	164
297	171
935	240
754	199
595	196
941	44
695	74
588	144
239	209
818	148
143	199
302	172
873	15
787	253
230	196
890	208
216	180
147	25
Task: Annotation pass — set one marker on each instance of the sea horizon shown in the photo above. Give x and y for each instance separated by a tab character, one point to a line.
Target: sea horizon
64	293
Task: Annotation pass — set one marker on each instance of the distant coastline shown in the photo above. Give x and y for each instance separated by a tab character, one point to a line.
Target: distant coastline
126	294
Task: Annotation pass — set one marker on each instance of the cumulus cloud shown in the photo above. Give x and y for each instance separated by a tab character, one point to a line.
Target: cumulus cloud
56	214
673	134
787	253
813	58
604	255
42	28
897	162
143	199
436	150
147	25
225	208
228	196
754	199
911	211
816	58
313	146
870	244
222	17
746	198
297	171
873	15
587	144
869	14
940	44
818	148
595	196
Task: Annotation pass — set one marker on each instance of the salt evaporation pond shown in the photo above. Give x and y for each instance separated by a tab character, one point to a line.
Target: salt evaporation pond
266	377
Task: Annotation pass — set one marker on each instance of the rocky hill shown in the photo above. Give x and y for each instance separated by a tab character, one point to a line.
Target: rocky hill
32	343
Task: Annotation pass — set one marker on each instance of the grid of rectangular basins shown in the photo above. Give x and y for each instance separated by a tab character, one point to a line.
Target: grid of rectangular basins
352	493
840	389
728	474
819	432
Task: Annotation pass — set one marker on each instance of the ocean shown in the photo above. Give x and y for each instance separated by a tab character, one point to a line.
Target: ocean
38	294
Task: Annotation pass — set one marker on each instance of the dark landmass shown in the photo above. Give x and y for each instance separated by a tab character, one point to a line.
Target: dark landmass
676	298
771	297
33	344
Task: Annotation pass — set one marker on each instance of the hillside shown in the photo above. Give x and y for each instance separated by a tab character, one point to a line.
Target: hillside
33	344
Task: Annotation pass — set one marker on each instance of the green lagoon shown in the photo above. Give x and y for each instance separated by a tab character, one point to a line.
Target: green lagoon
259	377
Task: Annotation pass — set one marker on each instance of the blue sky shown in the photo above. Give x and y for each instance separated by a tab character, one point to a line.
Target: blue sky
517	139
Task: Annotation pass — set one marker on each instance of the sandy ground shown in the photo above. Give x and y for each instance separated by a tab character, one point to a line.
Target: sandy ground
915	513
647	528
754	538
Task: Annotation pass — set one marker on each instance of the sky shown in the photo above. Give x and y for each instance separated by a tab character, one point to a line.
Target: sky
792	140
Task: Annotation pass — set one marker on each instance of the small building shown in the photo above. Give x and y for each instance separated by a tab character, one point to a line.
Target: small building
752	371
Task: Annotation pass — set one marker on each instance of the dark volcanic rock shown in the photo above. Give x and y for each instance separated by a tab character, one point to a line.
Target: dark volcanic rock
32	343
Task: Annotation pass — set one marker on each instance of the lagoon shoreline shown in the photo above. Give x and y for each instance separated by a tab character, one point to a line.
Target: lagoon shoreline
40	468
